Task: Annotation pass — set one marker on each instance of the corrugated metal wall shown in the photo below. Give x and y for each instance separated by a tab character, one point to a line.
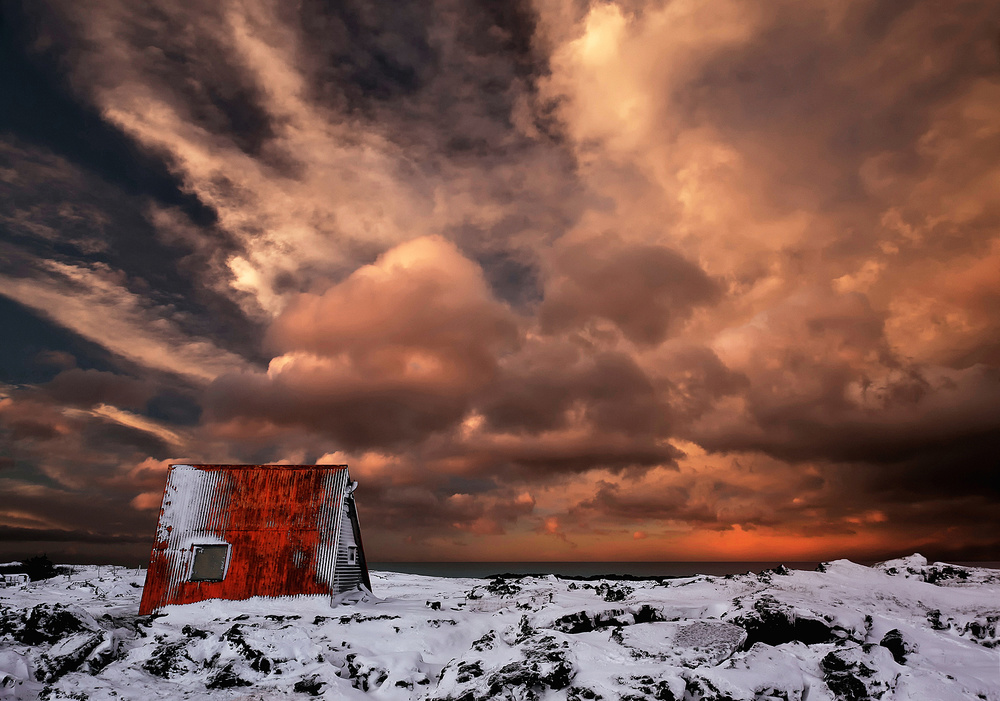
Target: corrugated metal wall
283	524
348	576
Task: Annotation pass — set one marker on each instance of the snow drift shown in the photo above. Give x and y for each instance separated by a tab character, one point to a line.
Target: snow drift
904	629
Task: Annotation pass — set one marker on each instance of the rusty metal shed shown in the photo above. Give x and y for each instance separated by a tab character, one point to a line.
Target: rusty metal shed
237	531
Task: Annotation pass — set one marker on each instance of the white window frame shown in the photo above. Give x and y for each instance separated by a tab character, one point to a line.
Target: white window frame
225	566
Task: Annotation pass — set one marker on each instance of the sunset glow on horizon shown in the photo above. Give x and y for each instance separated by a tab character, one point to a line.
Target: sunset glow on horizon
558	280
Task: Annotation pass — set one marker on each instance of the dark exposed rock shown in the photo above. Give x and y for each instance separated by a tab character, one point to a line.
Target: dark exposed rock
257	659
467	671
545	667
67	656
583	622
579	622
849	677
192	632
934	618
647	614
501	587
360	618
309	685
168	659
522	631
226	678
704	690
766	575
281	619
582	693
613	593
774	623
487	642
49	623
893	642
657	689
983	631
944	574
362	675
544	664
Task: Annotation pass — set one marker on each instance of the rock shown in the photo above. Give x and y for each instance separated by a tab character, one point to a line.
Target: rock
363	674
983	630
487	642
501	587
852	673
656	689
49	623
309	685
774	623
893	642
718	640
582	693
107	652
258	660
613	593
67	656
541	663
169	659
584	622
226	678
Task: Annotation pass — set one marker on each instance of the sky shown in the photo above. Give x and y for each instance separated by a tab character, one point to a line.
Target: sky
558	280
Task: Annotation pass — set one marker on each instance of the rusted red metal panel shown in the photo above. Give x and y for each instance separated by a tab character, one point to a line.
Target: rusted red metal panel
280	523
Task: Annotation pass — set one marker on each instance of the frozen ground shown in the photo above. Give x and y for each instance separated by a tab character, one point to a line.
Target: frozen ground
901	630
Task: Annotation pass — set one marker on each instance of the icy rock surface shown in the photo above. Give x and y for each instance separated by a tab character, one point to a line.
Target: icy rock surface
904	629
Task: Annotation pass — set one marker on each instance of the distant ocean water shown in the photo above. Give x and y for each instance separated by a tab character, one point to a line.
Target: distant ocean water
595	569
582	569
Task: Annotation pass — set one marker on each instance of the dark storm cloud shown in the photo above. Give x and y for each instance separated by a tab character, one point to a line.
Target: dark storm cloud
89	387
51	115
539	386
35	350
359	51
84	187
616	453
57	213
643	289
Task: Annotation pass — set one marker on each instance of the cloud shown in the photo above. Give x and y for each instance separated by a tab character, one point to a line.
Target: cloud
90	387
386	357
94	302
645	290
551	385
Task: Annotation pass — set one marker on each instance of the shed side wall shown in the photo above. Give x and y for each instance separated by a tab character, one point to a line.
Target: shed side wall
278	523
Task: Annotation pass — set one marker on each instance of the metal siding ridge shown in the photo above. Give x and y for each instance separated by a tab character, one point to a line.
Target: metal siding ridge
341	489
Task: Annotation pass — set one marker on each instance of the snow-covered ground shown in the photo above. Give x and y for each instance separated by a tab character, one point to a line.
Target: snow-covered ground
901	630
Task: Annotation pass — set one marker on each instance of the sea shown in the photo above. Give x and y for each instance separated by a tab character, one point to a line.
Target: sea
583	569
599	569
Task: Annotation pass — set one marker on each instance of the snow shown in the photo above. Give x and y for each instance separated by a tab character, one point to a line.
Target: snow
903	629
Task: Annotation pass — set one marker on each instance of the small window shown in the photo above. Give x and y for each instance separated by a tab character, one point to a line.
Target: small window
352	555
209	563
